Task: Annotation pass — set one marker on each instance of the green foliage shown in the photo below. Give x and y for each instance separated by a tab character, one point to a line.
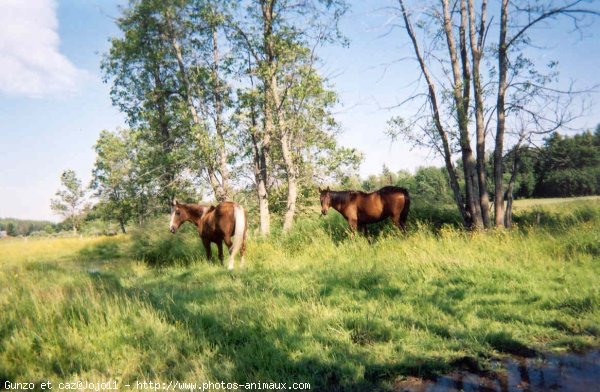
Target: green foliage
435	216
569	166
155	245
563	167
69	199
431	186
526	178
171	72
570	182
25	227
146	87
114	177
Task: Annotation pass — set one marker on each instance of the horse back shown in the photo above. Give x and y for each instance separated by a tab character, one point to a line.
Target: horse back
387	202
369	206
220	220
393	196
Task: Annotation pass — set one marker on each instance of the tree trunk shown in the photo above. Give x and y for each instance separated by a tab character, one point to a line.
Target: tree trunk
260	157
509	204
291	172
511	183
263	156
218	102
476	54
461	90
260	175
218	188
263	208
501	118
509	199
122	225
269	82
433	100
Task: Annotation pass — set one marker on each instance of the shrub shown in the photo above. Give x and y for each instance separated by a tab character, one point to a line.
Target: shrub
155	245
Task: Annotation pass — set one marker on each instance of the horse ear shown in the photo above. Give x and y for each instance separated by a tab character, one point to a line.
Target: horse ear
175	202
320	190
327	188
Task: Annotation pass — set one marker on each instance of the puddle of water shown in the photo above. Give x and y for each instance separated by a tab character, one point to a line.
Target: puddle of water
567	372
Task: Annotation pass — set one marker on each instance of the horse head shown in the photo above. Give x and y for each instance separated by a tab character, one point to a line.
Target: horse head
179	214
325	197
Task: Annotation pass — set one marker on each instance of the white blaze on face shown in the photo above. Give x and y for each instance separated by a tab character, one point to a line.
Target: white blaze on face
172	223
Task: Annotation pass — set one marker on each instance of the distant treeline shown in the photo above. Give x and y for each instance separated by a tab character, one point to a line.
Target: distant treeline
564	166
19	227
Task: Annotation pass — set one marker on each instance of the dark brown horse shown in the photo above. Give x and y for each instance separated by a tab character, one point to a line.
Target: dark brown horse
360	208
215	224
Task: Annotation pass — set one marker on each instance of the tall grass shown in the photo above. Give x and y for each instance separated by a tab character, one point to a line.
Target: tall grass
316	305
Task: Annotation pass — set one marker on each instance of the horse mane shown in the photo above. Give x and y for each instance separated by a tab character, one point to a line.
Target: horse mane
342	197
197	210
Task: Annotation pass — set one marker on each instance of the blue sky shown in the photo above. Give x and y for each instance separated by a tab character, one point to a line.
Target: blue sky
53	103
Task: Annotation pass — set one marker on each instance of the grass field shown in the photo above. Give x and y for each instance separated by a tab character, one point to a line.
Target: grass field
314	306
532	203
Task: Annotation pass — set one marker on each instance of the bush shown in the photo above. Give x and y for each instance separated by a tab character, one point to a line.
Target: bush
435	216
155	245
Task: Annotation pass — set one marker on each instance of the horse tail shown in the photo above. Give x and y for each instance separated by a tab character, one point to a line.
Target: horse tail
239	235
243	250
405	208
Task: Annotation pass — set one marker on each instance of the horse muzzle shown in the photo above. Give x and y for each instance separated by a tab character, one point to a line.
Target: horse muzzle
172	229
323	212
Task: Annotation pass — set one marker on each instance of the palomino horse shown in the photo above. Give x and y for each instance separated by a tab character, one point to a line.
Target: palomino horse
215	224
360	208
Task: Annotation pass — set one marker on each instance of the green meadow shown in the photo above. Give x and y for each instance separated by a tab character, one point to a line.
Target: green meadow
317	306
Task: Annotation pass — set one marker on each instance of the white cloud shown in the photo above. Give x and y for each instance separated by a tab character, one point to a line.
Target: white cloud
30	61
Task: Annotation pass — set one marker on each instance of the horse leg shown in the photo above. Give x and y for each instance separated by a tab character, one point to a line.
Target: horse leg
242	250
363	229
206	243
232	253
353	222
229	244
242	253
220	248
402	225
399	223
